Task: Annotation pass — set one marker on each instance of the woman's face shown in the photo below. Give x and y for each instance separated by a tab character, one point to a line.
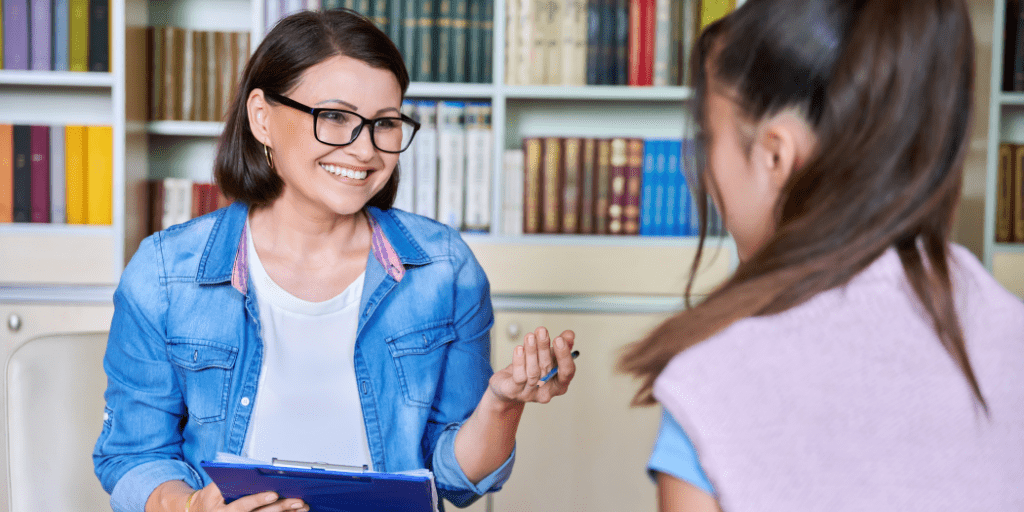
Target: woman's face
338	180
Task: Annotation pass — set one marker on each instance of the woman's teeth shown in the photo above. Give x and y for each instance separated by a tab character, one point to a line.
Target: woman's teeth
344	172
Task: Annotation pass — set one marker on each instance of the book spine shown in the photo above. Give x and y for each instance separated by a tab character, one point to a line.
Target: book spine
619	172
426	160
473	68
621	42
210	92
573	148
593	40
607	70
198	200
662	41
58	206
647	28
1004	196
650	215
6	173
99	179
673	199
39	165
527	48
184	210
634	182
409	37
99	35
512	42
187	81
40	35
225	74
675	42
406	197
713	10
602	203
445	14
1010	43
16	34
551	185
533	149
660	179
459	30
1018	193
566	42
154	65
78	35
155	195
553	41
478	175
75	168
513	163
1017	15
427	40
174	67
201	75
486	62
538	55
22	173
451	163
587	177
635	40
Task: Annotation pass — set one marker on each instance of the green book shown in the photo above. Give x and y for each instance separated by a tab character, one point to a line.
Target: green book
425	50
487	42
459	30
445	15
474	71
332	4
410	25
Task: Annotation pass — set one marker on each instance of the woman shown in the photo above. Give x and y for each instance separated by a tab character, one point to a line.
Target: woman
309	321
856	360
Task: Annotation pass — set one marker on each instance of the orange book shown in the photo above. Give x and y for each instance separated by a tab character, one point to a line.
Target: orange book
74	173
552	185
534	153
6	173
99	178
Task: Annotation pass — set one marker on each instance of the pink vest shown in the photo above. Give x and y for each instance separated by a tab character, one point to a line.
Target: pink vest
850	403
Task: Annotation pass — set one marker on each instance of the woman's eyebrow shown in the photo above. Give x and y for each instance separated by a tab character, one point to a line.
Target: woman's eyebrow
355	108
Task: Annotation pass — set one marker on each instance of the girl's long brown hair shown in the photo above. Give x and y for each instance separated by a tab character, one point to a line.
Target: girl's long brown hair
887	86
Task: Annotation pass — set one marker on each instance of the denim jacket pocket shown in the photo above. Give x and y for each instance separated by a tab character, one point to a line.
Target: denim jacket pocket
205	371
419	358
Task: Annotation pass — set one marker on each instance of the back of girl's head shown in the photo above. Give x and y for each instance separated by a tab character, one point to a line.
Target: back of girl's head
297	43
886	87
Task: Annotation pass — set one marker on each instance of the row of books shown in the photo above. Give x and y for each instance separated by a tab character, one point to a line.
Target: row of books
1010	194
56	35
618	186
602	42
56	174
192	73
440	40
176	200
446	173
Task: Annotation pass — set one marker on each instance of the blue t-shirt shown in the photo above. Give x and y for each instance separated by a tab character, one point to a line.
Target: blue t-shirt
675	455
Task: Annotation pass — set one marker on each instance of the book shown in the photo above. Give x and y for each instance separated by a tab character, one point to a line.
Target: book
426	159
602	192
74	173
618	43
409	32
211	58
673	199
647	28
634	181
425	51
99	179
16	34
442	58
186	82
1015	13
99	35
39	33
474	46
513	162
551	13
156	194
635	40
1018	193
573	29
551	185
6	173
573	169
588	179
675	48
478	168
451	163
650	217
22	180
199	76
225	73
619	164
662	41
405	199
459	41
78	35
593	40
39	165
528	50
713	10
487	41
1004	194
533	155
1011	47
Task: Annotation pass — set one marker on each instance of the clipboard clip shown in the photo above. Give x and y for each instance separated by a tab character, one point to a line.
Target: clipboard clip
318	465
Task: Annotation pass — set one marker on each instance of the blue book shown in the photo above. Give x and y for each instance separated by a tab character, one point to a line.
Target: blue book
60	35
661	177
688	217
673	178
647	188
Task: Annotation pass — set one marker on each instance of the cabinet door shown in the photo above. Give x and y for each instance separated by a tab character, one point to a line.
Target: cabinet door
586	450
33	321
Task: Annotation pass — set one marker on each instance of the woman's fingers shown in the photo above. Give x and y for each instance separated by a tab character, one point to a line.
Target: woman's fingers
532	365
563	354
266	502
519	366
544	360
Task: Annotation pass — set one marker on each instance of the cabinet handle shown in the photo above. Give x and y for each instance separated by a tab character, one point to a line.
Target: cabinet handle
14	322
513	332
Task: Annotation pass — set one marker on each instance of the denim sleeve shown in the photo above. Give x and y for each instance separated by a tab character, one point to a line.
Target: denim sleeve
675	455
139	446
467	371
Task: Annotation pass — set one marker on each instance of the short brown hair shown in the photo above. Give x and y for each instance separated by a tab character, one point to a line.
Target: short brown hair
297	43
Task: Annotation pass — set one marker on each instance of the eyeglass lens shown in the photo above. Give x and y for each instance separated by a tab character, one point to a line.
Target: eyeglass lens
339	127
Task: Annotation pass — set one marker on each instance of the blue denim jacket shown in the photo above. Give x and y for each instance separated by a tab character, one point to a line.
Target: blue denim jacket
184	355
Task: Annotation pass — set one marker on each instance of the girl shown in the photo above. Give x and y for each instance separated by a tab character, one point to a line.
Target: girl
856	360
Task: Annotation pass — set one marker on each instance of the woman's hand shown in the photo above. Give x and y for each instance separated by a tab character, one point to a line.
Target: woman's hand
177	496
520	381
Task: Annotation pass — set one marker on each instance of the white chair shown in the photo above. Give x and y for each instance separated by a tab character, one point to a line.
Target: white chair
54	411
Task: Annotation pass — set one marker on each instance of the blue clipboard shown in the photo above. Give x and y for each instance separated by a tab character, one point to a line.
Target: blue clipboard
326	490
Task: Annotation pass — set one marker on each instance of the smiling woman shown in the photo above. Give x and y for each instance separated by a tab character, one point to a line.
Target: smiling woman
310	320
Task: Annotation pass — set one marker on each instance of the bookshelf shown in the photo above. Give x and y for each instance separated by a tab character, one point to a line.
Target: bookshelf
1006	124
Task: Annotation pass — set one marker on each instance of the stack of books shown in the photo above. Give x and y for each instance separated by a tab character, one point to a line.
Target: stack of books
193	73
617	186
56	35
440	41
177	200
56	174
603	42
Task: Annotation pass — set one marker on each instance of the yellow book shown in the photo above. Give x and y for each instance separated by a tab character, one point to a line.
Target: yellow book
74	173
6	173
713	10
78	36
99	175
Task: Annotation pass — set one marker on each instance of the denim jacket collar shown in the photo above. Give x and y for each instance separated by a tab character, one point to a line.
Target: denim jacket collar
392	247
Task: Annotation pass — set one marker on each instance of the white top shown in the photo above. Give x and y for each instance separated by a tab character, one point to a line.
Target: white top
307	401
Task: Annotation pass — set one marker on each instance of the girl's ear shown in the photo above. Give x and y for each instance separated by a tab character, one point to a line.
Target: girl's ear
785	143
259	114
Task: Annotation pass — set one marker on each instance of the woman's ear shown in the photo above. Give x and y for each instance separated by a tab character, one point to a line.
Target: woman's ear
786	142
259	114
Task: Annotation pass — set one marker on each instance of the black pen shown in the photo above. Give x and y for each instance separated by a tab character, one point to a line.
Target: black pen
575	354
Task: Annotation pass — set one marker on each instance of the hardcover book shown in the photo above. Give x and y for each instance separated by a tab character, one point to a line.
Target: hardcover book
74	172
40	169
6	173
602	203
551	185
617	198
478	168
99	35
78	35
588	178
58	199
99	181
451	166
573	168
426	159
512	199
40	47
22	173
634	180
16	34
533	149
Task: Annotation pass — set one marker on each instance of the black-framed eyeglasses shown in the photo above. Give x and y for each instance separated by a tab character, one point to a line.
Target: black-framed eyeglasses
336	127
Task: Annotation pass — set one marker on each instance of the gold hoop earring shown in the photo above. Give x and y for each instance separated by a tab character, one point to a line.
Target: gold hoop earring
270	159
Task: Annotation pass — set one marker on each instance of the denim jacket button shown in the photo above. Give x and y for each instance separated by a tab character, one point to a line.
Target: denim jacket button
245	401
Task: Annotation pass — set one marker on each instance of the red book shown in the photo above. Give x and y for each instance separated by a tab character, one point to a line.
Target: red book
647	24
212	197
634	179
635	19
198	200
39	163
